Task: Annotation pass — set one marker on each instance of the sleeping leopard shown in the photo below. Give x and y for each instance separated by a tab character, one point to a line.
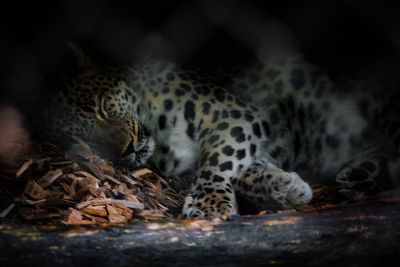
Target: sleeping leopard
266	132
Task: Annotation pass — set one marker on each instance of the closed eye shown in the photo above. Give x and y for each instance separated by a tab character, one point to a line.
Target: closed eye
129	149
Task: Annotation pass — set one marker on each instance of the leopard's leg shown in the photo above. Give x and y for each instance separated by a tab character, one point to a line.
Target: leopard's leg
212	195
367	176
267	187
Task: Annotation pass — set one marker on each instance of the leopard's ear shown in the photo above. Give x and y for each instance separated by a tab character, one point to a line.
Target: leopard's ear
84	64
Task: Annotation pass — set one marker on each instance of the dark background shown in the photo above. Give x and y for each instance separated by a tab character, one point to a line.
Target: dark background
208	33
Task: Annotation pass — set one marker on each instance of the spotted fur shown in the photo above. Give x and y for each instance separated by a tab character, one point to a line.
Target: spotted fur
325	131
256	134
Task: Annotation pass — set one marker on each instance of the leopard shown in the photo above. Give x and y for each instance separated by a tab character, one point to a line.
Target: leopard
344	132
266	132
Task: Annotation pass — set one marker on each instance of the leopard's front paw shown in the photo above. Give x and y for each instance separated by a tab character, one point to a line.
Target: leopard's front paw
208	206
299	192
289	190
269	187
190	210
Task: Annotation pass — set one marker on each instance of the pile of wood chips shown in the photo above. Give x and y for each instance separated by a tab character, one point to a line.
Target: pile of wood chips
55	187
50	186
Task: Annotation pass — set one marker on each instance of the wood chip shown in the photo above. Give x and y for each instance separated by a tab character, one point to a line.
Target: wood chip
152	214
47	179
128	180
158	187
114	180
129	204
5	212
94	202
115	216
124	211
86	174
141	172
24	168
99	211
93	169
61	163
108	169
132	198
33	202
34	190
75	217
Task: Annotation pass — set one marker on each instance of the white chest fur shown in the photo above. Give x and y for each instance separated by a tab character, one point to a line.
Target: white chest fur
184	151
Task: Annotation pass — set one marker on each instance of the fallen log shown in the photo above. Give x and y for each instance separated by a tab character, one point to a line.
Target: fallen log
349	235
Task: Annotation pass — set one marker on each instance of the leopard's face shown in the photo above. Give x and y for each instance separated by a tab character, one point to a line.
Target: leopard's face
126	142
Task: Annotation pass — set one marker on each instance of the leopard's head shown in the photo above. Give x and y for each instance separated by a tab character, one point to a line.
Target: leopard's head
96	104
